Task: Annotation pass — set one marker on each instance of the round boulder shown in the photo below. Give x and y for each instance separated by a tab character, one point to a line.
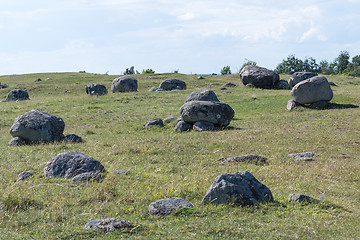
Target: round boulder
17	95
37	126
202	95
259	77
96	89
312	90
299	77
237	188
71	164
124	84
172	84
217	113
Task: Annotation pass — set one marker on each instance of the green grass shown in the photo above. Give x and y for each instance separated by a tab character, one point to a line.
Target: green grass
164	163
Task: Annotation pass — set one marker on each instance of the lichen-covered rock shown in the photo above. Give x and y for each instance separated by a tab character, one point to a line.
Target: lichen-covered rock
124	84
172	84
17	95
217	113
237	188
259	77
88	176
108	225
37	126
202	95
71	164
164	206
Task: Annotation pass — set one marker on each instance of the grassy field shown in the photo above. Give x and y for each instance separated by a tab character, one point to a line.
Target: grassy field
164	163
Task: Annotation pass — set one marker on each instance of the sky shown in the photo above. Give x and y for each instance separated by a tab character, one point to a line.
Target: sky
191	36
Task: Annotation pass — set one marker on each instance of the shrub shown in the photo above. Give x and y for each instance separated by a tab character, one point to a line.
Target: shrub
149	70
225	70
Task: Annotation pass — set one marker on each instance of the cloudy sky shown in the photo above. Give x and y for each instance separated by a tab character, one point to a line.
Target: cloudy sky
192	36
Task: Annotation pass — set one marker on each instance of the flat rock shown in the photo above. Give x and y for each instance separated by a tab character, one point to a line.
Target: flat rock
154	122
108	225
169	119
88	176
301	155
229	85
249	158
16	141
163	206
301	198
72	138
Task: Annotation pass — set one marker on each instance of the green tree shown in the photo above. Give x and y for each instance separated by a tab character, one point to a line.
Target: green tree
225	70
247	62
342	62
326	68
290	65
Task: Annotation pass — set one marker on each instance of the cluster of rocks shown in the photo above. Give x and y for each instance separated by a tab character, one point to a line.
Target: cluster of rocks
314	92
203	111
36	126
259	77
170	84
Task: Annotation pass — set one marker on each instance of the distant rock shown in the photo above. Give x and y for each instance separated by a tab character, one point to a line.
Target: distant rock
17	95
26	174
3	86
301	198
72	138
240	188
202	95
201	77
154	122
300	155
36	126
153	89
259	77
163	206
108	225
169	119
71	164
172	84
249	158
124	84
203	126
220	114
38	80
312	90
96	89
88	176
299	77
229	85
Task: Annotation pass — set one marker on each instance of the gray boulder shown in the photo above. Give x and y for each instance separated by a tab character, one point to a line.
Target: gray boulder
301	198
17	95
71	164
108	225
312	90
282	85
163	206
238	188
124	84
248	158
229	84
202	95
37	126
154	122
24	175
259	77
172	84
182	126
203	126
299	77
96	89
220	114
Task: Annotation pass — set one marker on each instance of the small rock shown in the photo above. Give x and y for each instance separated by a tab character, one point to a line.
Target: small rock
163	206
72	138
96	89
88	176
250	85
48	79
230	85
301	198
214	84
172	84
182	126
282	85
203	126
200	77
292	104
108	224
169	119
153	89
305	159
26	174
16	141
38	80
154	122
301	155
250	158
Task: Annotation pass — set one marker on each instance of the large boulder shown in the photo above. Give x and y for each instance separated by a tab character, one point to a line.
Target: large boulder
237	188
312	90
71	164
202	95
299	77
37	126
96	89
124	84
164	206
217	113
17	95
172	84
259	77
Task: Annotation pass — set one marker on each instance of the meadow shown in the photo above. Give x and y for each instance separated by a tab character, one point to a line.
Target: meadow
164	163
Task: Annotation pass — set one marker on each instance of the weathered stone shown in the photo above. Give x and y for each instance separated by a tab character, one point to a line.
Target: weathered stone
299	77
88	176
258	76
301	198
17	95
124	84
38	80
292	105
282	84
203	126
182	126
16	141
163	206
108	225
26	174
249	158
312	90
71	164
96	89
154	122
172	84
229	84
72	138
202	95
238	188
37	126
220	114
169	119
301	155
